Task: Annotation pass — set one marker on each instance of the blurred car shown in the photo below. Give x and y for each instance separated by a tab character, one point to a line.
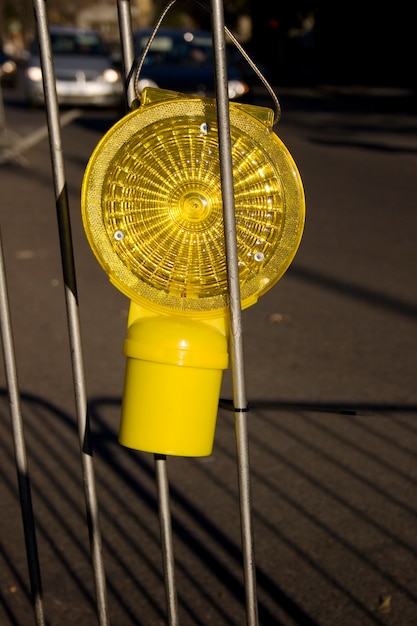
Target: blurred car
183	60
85	72
8	70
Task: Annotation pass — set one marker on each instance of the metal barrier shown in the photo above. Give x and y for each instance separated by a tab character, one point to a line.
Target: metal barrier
79	384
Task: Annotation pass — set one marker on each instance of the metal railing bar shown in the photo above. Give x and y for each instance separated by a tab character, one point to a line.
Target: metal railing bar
20	448
126	44
236	341
166	538
68	267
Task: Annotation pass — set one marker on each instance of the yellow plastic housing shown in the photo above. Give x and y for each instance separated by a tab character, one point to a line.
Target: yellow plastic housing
172	385
152	204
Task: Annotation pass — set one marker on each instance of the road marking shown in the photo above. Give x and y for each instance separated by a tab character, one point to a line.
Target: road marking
16	146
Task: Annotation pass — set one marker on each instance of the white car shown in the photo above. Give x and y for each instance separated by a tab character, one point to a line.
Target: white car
85	73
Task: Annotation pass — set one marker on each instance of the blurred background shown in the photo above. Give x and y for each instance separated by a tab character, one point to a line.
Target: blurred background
296	42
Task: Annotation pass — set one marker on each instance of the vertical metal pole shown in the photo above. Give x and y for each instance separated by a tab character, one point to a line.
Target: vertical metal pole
20	450
126	37
239	392
126	40
68	266
166	538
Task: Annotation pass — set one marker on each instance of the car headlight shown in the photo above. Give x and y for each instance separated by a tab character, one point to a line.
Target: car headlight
34	74
111	76
237	88
8	67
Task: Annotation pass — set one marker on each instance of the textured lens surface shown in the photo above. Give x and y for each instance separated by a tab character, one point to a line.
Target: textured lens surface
153	211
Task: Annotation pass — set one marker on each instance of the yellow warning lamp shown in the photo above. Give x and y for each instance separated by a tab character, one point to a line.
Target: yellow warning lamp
153	215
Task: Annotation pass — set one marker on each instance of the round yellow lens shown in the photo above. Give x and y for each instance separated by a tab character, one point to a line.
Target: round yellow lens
153	213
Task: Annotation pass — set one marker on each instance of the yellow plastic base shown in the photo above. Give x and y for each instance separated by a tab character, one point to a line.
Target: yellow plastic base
172	383
169	409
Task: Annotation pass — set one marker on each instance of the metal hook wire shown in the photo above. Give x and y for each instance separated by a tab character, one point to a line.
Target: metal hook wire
139	61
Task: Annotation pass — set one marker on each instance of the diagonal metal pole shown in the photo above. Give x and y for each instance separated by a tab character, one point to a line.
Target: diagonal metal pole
160	460
68	267
20	449
238	374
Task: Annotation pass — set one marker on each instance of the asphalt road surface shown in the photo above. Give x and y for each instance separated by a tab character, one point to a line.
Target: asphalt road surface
330	370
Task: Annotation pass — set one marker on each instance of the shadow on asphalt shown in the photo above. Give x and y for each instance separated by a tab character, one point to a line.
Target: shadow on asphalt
328	504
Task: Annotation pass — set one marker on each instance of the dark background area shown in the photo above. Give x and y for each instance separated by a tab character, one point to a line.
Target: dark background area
351	42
